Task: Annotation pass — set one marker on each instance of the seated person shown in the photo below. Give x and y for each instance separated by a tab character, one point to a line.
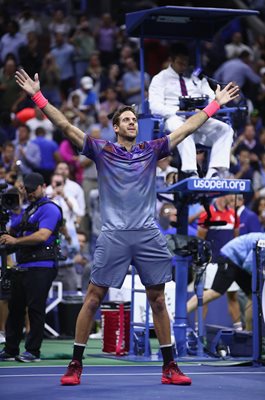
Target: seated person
164	92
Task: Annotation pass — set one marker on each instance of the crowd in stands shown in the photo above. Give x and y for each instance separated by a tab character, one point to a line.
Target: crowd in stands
88	67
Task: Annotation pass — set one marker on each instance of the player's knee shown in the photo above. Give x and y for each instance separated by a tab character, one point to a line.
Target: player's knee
158	304
92	304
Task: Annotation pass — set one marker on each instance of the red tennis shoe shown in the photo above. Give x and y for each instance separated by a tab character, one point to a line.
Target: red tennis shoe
73	374
171	374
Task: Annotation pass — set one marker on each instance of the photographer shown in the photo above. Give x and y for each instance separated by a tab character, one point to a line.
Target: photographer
35	243
68	203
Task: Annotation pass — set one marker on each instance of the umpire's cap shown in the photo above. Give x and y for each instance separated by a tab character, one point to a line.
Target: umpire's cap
32	181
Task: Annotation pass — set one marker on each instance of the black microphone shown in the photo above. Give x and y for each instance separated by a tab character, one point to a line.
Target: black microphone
198	72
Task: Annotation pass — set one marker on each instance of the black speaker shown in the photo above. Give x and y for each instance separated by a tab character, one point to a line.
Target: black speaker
68	311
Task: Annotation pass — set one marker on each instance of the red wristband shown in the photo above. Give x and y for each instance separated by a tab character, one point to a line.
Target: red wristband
211	109
39	99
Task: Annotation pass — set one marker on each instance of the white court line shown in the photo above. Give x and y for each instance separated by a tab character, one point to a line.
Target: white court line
140	374
159	365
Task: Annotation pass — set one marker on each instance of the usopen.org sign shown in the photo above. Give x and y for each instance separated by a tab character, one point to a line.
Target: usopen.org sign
222	185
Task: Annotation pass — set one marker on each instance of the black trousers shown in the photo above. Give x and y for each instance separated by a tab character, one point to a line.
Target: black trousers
29	289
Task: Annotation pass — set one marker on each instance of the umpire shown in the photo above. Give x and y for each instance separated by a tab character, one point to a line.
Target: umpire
34	235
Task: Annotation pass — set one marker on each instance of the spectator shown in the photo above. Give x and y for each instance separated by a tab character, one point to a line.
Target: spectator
239	70
167	215
63	54
29	23
9	98
73	111
7	156
105	127
249	221
111	104
27	153
242	168
236	46
11	42
71	189
106	36
164	167
84	43
88	100
50	78
48	152
67	203
8	125
256	120
125	52
68	153
259	208
247	141
131	81
110	79
95	70
30	55
259	177
40	121
59	24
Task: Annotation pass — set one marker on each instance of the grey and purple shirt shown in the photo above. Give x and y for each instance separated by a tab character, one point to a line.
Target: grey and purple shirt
127	184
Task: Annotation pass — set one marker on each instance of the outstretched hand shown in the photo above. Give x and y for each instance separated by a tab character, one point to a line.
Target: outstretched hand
228	93
29	85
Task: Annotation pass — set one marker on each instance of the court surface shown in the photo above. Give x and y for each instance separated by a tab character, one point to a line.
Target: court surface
131	382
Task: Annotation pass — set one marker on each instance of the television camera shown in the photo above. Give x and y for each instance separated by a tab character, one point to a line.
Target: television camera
8	201
199	250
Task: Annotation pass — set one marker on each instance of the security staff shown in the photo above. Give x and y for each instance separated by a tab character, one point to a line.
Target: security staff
35	239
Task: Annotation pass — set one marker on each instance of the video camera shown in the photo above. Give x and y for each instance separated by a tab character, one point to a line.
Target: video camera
188	103
184	245
8	201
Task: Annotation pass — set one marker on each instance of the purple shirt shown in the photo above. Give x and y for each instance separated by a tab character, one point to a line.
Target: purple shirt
47	216
127	186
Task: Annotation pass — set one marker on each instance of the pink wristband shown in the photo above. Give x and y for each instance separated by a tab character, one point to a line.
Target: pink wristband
39	99
211	109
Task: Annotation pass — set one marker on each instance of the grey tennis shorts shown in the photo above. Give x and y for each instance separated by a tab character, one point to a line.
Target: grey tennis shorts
117	250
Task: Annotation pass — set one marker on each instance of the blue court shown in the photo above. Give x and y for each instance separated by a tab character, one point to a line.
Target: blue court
133	382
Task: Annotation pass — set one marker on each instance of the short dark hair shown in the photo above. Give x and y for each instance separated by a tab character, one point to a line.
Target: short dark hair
24	126
121	110
178	49
8	144
244	54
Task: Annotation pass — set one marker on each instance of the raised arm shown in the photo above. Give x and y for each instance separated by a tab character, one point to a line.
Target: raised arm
32	88
230	92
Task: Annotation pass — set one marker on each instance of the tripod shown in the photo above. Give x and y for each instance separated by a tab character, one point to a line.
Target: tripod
198	288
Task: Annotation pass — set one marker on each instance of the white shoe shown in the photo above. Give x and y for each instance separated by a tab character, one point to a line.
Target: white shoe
217	173
97	335
2	337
